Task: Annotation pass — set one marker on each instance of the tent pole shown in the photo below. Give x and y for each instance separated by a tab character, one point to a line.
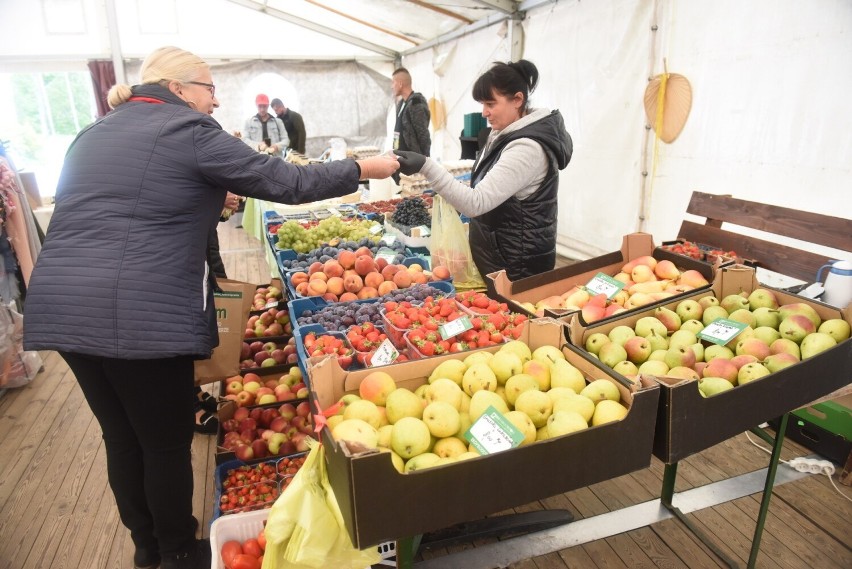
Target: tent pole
115	43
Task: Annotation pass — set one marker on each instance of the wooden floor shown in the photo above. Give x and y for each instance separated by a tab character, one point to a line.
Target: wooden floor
57	510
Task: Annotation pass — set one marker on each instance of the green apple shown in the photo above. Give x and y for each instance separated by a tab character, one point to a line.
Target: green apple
712	313
682	339
410	437
658	355
762	298
654	367
689	309
402	402
626	368
714	351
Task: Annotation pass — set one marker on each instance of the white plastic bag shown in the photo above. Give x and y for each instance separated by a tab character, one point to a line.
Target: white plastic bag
17	367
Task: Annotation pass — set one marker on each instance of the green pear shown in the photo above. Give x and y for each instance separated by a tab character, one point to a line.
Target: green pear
626	368
837	328
712	313
682	338
734	302
477	357
710	386
477	377
786	346
601	389
505	365
450	369
742	315
481	401
694	326
658	341
654	367
658	355
776	362
767	317
612	353
669	319
517	384
608	411
762	298
564	423
620	334
421	462
564	374
816	343
595	341
716	351
767	334
800	308
750	372
518	348
708	301
577	403
645	325
547	354
689	309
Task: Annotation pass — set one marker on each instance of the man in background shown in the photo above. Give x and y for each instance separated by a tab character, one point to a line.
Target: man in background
264	132
411	130
293	123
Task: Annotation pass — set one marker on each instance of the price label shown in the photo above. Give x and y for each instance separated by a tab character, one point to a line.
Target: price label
721	331
334	211
376	229
387	254
455	327
424	231
388	239
272	304
385	354
604	284
493	432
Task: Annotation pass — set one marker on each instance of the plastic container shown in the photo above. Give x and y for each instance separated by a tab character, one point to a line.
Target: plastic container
319	331
238	527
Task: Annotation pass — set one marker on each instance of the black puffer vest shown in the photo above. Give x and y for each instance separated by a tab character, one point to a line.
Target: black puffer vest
520	235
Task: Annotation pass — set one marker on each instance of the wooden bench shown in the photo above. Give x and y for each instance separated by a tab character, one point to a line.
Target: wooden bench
808	227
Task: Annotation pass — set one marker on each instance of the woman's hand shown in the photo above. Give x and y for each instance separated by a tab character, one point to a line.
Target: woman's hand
378	167
410	163
232	201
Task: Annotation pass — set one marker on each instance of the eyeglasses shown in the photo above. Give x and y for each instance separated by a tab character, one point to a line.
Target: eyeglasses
210	86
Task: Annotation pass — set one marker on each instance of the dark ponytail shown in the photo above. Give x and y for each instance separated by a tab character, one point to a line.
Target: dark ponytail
507	79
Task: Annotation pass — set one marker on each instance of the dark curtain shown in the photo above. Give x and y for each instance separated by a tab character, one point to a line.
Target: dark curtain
103	78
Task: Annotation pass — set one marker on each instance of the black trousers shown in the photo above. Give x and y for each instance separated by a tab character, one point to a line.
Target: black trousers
145	409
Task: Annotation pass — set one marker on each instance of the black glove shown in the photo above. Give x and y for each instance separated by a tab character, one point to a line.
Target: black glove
410	162
395	177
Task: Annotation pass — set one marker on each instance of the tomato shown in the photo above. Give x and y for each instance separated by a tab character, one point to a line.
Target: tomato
244	561
252	547
230	549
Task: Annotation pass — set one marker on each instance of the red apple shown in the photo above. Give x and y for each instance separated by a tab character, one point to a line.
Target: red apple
233	387
256	346
278	424
245	398
260	448
279	356
244	452
288	411
303	409
287	447
261	357
241	414
230	425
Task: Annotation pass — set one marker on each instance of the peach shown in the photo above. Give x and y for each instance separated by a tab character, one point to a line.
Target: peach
349	273
332	268
302	288
298	277
389	271
363	251
317	287
376	386
386	287
373	279
346	259
364	265
415	267
330	297
419	278
381	263
368	292
402	279
348	297
440	272
335	285
353	283
318	276
315	266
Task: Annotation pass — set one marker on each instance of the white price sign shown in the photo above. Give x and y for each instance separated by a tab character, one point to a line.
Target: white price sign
271	304
604	284
721	331
334	211
388	239
376	229
492	432
455	327
424	231
384	355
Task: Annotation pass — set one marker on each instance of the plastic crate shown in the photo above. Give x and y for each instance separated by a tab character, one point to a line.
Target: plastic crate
319	331
239	527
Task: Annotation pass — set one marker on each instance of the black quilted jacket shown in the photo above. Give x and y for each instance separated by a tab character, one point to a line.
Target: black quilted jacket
123	270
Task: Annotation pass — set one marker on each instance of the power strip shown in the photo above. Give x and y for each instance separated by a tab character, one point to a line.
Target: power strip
812	465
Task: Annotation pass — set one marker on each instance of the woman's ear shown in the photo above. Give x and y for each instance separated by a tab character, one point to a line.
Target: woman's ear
518	100
175	87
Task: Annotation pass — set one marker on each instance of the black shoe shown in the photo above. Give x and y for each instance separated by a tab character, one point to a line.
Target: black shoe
208	402
146	558
207	424
199	557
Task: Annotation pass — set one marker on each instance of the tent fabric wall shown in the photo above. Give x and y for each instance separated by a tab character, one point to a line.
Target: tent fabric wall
335	98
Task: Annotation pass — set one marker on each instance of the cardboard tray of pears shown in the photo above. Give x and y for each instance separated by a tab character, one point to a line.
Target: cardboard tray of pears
688	423
430	499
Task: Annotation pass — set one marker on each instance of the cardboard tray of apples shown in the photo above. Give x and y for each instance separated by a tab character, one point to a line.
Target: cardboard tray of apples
268	355
792	351
253	434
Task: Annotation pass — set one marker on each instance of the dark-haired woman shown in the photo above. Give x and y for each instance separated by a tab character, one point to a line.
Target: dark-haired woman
512	198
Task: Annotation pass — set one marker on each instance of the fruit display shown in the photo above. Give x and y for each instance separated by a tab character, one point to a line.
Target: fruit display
267	431
411	212
699	252
260	354
669	343
357	275
266	295
271	322
244	555
294	235
645	281
252	389
327	252
539	392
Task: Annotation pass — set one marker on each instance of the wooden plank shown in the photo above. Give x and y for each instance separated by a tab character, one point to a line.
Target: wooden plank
815	499
656	549
548	561
689	549
629	552
779	258
577	557
723	535
805	226
604	555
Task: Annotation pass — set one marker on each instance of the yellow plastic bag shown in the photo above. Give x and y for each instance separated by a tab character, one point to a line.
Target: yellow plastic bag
305	528
449	246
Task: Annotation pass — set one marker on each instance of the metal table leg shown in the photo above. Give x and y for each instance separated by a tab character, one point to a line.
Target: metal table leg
406	549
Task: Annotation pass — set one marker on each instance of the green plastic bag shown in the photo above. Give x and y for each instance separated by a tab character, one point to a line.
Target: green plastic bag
305	528
449	246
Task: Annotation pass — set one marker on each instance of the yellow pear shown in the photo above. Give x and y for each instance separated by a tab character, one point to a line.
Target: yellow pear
451	369
564	374
477	377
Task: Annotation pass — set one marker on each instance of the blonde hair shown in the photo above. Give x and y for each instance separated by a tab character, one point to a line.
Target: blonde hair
162	65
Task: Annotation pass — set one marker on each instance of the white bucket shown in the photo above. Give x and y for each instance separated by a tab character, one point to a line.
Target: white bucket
382	189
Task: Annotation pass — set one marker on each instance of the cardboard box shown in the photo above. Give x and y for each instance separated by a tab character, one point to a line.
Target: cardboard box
558	281
366	484
689	423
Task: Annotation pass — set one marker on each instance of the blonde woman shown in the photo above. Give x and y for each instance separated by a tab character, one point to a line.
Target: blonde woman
122	289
